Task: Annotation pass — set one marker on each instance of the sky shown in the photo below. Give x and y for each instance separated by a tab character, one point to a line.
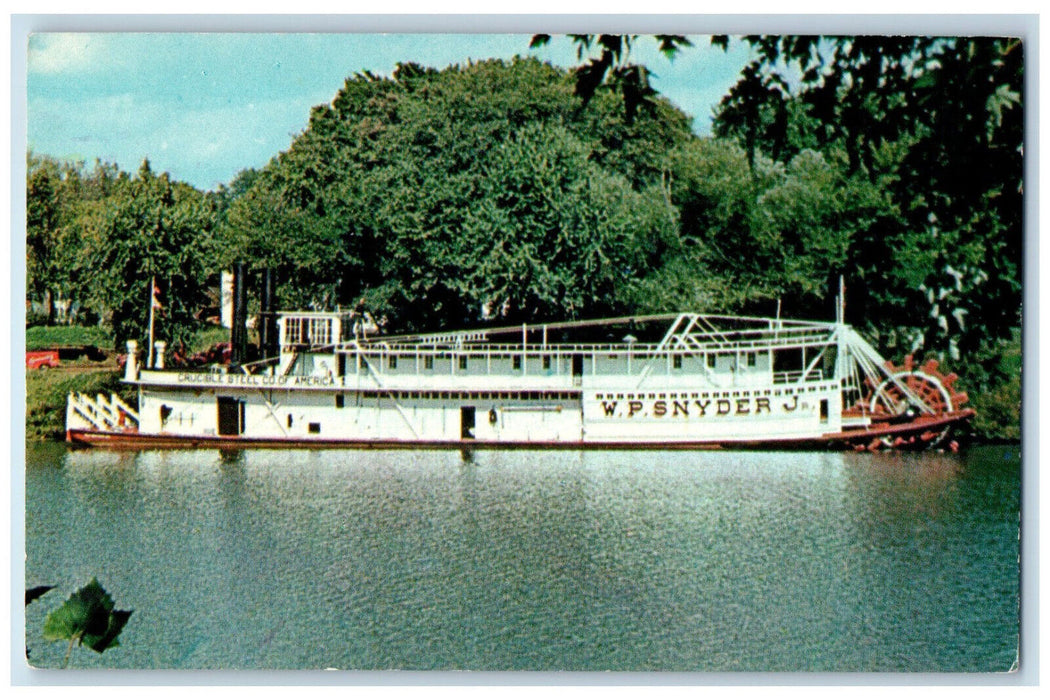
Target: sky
204	106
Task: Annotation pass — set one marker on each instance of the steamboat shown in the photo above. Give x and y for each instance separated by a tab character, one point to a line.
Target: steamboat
685	381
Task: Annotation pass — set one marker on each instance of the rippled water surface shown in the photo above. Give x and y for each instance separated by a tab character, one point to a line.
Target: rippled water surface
690	561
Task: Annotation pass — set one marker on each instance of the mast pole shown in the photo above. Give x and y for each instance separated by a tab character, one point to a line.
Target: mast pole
841	365
152	316
842	299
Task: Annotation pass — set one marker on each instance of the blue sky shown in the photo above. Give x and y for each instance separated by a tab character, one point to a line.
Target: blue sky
205	106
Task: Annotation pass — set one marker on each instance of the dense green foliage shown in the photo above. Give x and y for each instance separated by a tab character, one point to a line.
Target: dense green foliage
432	195
937	125
516	191
99	237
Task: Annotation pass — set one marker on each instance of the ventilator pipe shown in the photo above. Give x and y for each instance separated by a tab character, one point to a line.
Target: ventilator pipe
158	357
131	367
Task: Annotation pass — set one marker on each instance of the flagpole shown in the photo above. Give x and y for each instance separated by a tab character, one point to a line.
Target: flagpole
152	306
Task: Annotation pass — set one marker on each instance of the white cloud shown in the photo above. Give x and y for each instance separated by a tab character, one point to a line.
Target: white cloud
57	53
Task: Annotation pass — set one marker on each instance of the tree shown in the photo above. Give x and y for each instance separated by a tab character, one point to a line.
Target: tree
150	228
937	123
757	232
612	68
431	194
60	196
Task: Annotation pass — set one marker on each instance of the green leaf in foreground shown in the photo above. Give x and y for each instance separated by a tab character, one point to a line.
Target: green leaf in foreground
87	618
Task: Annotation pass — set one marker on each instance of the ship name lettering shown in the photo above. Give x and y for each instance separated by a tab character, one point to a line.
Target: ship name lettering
723	407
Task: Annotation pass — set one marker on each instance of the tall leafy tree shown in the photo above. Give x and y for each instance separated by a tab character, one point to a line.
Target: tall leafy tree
405	189
753	233
150	228
937	123
60	197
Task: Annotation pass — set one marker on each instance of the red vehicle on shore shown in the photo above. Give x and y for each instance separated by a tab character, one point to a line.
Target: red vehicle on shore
41	359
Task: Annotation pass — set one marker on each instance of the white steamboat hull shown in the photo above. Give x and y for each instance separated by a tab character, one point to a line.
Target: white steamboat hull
756	418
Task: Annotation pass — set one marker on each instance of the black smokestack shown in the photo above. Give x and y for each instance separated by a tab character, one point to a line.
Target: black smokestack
238	333
268	316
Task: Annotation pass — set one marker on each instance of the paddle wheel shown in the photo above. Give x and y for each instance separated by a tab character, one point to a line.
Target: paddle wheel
934	390
913	399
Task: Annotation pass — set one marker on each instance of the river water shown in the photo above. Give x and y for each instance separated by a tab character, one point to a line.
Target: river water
521	560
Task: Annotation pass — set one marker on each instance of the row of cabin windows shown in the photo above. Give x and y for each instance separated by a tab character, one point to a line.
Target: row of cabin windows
340	399
715	394
751	359
428	361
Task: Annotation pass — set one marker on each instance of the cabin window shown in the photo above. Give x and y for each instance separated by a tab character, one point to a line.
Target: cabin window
676	362
392	362
308	331
314	428
428	362
463	362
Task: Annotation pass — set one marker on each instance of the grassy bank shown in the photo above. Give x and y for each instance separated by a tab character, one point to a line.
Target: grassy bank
49	337
46	390
46	393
